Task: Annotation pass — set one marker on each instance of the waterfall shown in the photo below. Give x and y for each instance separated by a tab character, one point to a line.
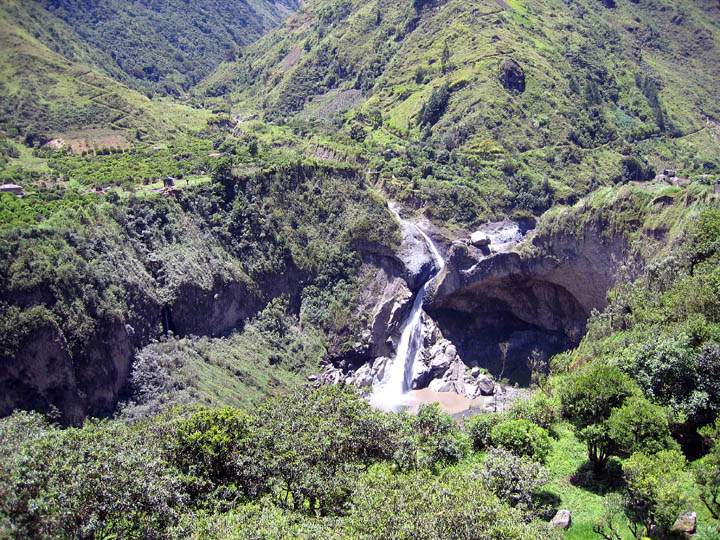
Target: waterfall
389	393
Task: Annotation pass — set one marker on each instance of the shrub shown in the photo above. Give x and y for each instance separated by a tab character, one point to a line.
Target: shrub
430	439
513	478
311	445
540	409
479	427
420	505
522	438
657	489
707	471
103	480
203	446
435	106
639	426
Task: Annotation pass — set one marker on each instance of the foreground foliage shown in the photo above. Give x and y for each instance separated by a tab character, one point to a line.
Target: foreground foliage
315	463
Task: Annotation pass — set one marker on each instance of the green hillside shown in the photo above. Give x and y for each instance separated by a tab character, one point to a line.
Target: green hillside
237	224
161	47
42	92
591	94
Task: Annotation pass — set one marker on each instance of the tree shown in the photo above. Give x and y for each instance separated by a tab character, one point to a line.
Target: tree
430	439
639	426
203	447
657	489
445	58
479	427
513	478
435	106
588	398
522	438
102	480
314	443
707	471
419	5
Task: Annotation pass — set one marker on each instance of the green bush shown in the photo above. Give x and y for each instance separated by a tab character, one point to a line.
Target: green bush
204	445
707	470
430	439
522	438
514	479
539	409
657	488
103	480
479	427
455	506
639	426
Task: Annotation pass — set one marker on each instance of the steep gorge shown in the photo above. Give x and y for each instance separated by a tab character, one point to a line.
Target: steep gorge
513	292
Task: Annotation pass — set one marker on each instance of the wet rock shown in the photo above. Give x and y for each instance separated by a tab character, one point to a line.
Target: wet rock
485	385
388	316
512	76
415	256
441	385
479	239
562	520
363	377
685	525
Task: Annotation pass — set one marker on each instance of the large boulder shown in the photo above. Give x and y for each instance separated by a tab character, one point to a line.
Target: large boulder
562	520
512	76
441	385
485	385
479	239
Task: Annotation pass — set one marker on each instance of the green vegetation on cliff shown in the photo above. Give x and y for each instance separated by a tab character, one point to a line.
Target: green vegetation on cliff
499	107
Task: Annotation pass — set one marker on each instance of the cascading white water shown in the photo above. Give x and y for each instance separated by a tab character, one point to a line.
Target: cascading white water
389	393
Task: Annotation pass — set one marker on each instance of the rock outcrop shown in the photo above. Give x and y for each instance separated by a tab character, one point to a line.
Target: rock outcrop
562	520
685	525
512	76
498	305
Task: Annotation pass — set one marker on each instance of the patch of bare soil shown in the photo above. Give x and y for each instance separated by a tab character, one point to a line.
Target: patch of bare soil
290	59
90	140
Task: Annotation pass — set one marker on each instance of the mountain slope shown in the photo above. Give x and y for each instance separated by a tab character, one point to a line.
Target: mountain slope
42	92
508	99
165	46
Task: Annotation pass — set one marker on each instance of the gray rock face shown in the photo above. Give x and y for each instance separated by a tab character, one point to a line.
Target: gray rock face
501	235
562	520
364	377
415	256
388	316
479	239
497	308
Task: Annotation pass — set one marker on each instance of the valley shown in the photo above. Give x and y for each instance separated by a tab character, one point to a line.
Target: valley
337	269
